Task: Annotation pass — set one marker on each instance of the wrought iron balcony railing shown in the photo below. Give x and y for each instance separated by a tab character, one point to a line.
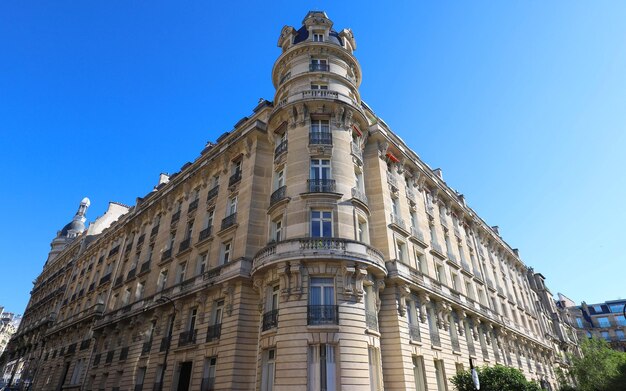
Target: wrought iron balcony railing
212	193
193	205
167	254
280	149
175	217
236	177
184	245
321	185
315	67
214	332
322	314
205	233
270	320
229	221
187	338
414	332
320	138
359	195
278	194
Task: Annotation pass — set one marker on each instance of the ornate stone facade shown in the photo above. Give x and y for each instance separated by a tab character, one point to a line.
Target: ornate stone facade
308	248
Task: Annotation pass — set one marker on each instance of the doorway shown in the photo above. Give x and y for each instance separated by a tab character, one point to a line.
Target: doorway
184	376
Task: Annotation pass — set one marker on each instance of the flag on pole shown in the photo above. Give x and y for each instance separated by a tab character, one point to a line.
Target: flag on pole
474	375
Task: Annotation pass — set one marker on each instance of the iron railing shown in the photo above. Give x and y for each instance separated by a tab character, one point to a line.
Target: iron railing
229	221
193	205
214	332
236	177
212	193
184	245
315	66
322	314
320	138
280	149
205	233
321	185
187	338
278	194
270	320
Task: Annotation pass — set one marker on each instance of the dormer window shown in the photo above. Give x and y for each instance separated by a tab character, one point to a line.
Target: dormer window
318	37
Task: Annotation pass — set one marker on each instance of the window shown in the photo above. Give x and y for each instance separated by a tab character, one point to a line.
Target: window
420	261
320	169
419	374
412	314
322	309
140	289
440	273
268	367
171	240
395	207
201	266
235	169
621	321
181	268
193	315
604	322
232	206
320	126
139	377
208	375
318	37
401	252
374	367
440	374
362	230
126	296
226	249
76	374
468	290
597	308
150	252
321	224
208	219
616	308
605	335
318	86
459	368
455	281
279	179
218	312
162	282
319	64
277	228
619	334
322	368
189	229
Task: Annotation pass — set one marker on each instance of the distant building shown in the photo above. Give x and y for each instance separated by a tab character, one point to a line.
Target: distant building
9	323
602	320
307	249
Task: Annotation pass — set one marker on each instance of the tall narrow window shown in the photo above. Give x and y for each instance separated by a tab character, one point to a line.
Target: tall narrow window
321	224
319	64
226	252
374	367
189	229
208	375
162	282
320	132
232	206
401	251
318	37
440	374
322	369
202	261
192	319
419	374
362	230
140	289
277	229
279	179
322	308
268	361
320	172
139	377
181	268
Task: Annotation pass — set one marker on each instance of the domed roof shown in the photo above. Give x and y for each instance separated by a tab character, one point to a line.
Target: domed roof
303	34
73	228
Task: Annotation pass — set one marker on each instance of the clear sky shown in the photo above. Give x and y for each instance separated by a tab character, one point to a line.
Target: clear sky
521	103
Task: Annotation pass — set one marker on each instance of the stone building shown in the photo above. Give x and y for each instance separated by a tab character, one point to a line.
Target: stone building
602	320
307	249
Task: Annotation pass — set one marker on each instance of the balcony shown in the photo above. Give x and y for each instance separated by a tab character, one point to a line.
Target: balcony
371	320
124	353
434	338
317	67
212	193
165	342
184	245
456	346
146	347
321	185
229	221
105	279
322	315
414	332
280	149
187	338
270	320
318	248
175	218
167	254
356	151
193	205
205	233
214	332
320	138
359	194
278	195
320	94
235	178
144	267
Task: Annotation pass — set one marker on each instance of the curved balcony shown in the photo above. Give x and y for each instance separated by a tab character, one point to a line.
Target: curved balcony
318	248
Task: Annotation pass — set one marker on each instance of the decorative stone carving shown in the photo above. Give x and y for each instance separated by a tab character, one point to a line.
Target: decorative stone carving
379	285
424	301
259	286
296	280
382	149
402	291
285	276
348	276
347	122
359	275
229	293
338	115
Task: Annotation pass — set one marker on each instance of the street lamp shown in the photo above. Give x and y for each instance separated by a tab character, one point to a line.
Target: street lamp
163	300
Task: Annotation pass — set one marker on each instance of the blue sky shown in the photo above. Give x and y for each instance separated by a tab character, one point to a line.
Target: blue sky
522	104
